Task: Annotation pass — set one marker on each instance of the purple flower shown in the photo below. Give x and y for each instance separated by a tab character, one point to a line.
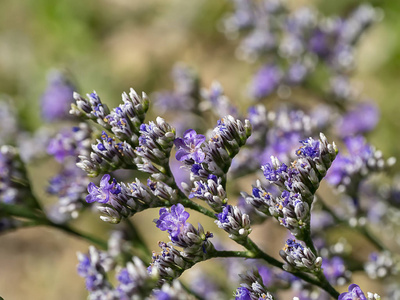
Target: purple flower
319	44
242	294
102	193
57	98
62	146
223	216
124	277
356	162
334	269
359	120
309	149
354	293
173	221
266	81
189	147
161	295
266	274
269	172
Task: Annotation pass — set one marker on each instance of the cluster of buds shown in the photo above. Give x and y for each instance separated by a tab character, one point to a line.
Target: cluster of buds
252	287
228	137
288	209
124	121
210	191
382	265
13	178
298	184
117	201
135	282
93	267
234	222
194	242
155	144
93	109
215	156
130	114
299	257
362	159
127	117
107	155
306	173
169	264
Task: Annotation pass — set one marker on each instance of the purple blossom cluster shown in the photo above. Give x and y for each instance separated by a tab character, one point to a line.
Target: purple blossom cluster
297	42
57	98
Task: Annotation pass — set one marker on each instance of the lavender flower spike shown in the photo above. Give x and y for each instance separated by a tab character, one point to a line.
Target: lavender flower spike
57	97
194	241
234	222
299	257
93	268
211	191
252	287
169	264
189	147
135	282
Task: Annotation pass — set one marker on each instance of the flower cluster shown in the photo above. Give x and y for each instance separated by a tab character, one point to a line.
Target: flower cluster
252	287
155	144
300	40
234	222
349	170
194	242
211	191
355	292
215	156
93	268
108	154
298	256
119	200
13	177
298	184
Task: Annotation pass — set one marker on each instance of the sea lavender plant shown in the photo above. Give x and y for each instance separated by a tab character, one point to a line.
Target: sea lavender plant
290	47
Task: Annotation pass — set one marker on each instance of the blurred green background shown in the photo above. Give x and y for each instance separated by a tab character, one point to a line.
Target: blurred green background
112	45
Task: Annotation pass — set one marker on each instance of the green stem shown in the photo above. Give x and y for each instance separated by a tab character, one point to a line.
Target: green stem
308	240
38	218
246	254
20	211
324	284
258	253
67	229
190	204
